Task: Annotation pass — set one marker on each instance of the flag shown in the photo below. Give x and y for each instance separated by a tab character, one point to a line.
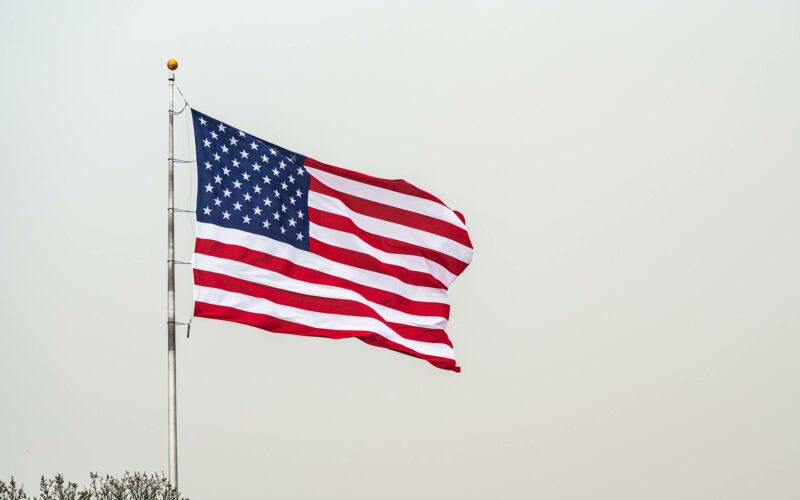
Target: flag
291	245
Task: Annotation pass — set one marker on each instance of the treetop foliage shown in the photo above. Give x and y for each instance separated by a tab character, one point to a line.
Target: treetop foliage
131	486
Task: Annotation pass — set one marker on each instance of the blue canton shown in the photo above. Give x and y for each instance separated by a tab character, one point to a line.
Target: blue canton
250	184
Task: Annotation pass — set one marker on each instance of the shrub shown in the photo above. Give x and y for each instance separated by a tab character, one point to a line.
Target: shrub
131	486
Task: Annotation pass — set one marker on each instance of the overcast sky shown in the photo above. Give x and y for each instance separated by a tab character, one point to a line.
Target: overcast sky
629	327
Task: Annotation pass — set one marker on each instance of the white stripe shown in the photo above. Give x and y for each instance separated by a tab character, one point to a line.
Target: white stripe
387	196
388	229
315	319
312	261
350	241
261	276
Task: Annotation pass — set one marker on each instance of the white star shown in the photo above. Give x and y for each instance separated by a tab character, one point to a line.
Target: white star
218	179
276	216
209	188
253	145
283	208
226	171
214	135
246	176
233	141
300	171
265	224
264	158
256	167
272	151
236	163
267	180
291	179
226	193
217	202
202	122
284	186
245	154
226	215
292	222
299	193
257	211
246	219
208	165
241	134
283	230
224	148
247	197
221	127
276	193
300	236
291	158
206	211
267	202
206	143
300	214
257	189
282	164
237	206
237	184
291	200
217	157
275	172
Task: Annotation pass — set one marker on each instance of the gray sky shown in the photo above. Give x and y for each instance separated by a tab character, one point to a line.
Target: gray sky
628	328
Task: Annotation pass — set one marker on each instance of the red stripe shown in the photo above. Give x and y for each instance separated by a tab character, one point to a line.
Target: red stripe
394	214
313	303
389	245
271	323
370	263
398	185
434	335
283	297
443	363
288	268
276	325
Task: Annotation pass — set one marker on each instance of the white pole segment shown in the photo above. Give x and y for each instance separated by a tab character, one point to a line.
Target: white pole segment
173	416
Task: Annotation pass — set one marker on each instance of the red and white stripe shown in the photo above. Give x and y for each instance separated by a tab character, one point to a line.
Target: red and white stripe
381	256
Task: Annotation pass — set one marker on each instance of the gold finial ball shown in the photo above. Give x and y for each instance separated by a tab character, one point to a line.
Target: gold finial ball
172	64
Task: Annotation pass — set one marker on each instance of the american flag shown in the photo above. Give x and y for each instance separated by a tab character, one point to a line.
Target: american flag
291	245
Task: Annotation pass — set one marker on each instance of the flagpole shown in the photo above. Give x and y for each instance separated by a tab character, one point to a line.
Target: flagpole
172	64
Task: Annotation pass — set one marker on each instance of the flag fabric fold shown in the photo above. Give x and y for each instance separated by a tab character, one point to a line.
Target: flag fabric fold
288	244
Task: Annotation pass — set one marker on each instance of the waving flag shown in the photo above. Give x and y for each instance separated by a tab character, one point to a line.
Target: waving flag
291	245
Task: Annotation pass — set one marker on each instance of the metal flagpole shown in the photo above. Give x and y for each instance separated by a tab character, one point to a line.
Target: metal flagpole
172	64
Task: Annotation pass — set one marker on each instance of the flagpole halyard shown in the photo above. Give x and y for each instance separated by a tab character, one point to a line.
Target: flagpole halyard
172	65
